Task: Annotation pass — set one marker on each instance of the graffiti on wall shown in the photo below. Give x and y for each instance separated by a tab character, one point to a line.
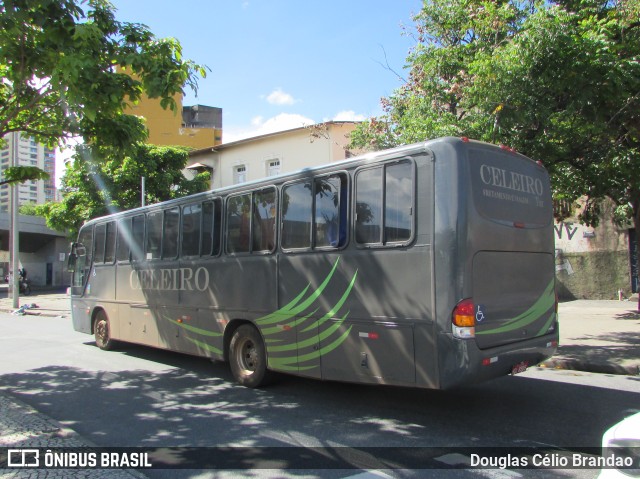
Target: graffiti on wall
561	227
574	237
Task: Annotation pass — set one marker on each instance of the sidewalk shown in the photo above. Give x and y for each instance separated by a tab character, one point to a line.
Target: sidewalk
599	336
595	336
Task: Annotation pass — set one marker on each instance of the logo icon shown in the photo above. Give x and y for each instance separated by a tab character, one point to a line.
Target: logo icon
23	458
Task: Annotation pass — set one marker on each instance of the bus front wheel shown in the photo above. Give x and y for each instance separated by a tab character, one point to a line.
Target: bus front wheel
101	332
248	358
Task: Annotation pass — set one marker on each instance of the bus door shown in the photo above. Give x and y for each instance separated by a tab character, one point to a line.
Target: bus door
310	278
79	265
291	334
133	285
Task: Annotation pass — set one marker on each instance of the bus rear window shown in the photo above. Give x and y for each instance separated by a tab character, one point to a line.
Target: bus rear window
510	189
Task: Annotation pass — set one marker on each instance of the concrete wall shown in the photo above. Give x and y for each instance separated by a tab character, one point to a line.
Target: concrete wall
53	256
595	275
592	263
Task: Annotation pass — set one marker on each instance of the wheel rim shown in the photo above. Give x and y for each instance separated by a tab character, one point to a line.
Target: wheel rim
247	356
101	331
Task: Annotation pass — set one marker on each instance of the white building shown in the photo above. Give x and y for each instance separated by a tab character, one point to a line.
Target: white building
275	153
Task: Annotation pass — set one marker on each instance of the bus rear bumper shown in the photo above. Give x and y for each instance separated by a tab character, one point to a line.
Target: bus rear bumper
468	364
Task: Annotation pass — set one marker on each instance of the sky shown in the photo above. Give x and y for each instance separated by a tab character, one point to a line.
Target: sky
281	64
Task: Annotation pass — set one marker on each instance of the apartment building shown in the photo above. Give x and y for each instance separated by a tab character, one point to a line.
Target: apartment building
28	153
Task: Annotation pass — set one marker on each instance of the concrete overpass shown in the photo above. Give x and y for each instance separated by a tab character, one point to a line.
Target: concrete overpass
43	251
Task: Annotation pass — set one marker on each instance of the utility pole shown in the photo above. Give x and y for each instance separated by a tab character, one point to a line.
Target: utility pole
14	228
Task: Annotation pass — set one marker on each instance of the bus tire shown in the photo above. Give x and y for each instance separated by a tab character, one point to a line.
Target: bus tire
101	332
248	357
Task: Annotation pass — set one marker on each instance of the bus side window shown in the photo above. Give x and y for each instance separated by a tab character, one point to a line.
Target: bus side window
369	206
264	217
191	220
137	238
170	232
110	243
154	235
238	223
384	204
297	207
211	219
398	207
98	241
124	240
331	211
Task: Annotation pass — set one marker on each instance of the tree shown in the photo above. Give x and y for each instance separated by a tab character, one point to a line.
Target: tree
95	188
59	78
559	81
20	174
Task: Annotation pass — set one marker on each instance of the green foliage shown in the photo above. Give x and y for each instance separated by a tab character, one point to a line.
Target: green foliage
96	185
57	62
28	209
20	174
558	81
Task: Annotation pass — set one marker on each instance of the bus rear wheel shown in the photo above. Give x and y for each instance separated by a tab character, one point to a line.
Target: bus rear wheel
248	358
101	332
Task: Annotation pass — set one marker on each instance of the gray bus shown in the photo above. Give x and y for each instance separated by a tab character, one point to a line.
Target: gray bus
429	265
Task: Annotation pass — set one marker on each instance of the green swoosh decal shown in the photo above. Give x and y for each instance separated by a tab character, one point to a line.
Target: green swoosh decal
278	362
283	321
291	310
332	312
310	334
545	302
205	346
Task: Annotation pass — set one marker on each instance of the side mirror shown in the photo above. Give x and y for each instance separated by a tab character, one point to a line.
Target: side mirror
73	258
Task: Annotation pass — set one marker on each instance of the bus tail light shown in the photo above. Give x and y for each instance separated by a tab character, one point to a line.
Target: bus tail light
464	320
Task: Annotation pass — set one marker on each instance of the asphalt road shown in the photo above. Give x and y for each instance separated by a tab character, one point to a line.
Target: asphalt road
137	396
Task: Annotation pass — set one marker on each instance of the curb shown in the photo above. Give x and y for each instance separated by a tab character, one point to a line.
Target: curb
591	367
49	313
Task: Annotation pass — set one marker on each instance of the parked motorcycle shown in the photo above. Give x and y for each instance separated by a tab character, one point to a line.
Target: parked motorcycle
23	284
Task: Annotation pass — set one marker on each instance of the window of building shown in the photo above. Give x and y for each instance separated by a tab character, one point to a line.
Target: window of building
384	204
239	174
273	167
